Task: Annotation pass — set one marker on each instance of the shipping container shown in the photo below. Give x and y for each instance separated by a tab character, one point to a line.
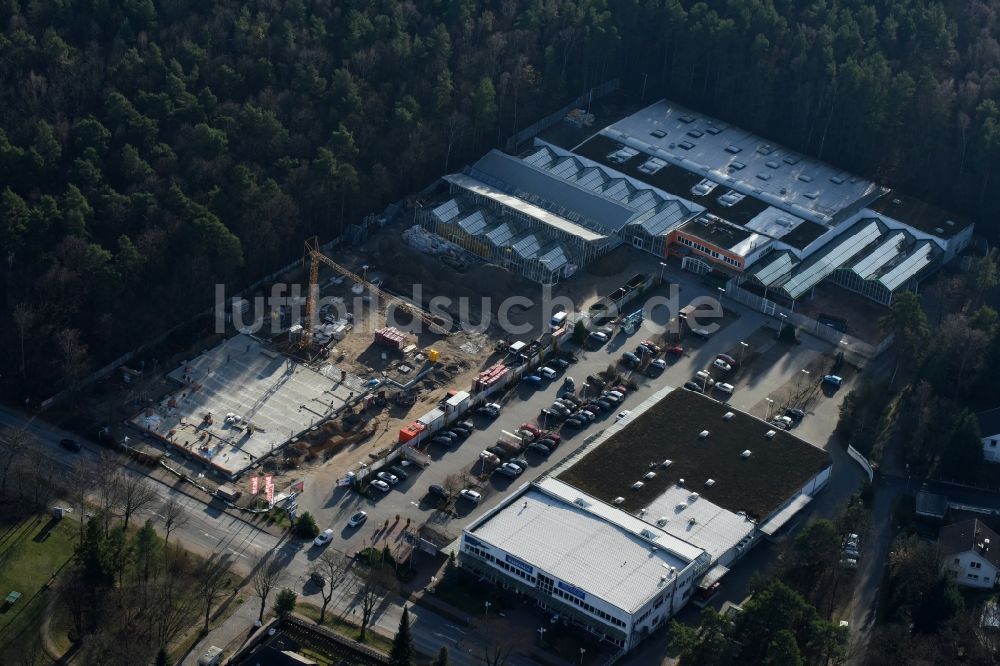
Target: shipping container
433	419
457	403
411	431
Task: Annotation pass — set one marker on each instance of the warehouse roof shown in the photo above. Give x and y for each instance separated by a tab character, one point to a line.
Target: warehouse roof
744	161
481	188
668	426
689	516
550	192
920	215
571	535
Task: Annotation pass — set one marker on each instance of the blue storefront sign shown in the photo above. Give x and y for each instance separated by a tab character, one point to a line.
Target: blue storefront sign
474	542
570	589
520	564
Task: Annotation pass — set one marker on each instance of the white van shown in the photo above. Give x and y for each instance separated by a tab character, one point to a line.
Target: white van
212	657
703	377
725	388
558	319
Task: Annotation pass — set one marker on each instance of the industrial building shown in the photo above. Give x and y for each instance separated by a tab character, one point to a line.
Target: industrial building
674	182
652	513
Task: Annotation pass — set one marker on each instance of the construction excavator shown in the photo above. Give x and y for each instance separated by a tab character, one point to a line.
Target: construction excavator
314	256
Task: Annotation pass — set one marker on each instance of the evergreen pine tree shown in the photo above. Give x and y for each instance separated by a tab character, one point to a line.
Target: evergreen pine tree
402	644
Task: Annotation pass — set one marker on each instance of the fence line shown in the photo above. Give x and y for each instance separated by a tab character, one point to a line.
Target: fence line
861	460
548	121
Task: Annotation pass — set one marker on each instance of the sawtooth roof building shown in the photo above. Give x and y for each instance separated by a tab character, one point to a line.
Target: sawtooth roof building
672	181
652	513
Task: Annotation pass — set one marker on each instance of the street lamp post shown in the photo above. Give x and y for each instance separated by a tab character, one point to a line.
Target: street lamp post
743	348
722	293
781	326
663	265
681	320
486	612
582	651
541	635
769	403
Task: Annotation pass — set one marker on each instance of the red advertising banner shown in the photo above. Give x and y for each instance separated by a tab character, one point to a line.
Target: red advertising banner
298	486
269	488
254	485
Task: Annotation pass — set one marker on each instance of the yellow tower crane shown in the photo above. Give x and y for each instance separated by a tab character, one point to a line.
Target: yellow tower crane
314	256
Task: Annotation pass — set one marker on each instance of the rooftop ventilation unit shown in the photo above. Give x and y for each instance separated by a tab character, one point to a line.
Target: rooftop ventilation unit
663	520
666	463
680	482
770	434
746	454
649	475
692	520
681	506
579	501
649	534
618	500
728	416
637	485
703	434
710	483
693	497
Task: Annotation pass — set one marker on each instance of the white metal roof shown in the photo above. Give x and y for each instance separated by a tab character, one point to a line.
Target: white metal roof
920	257
477	187
714	529
783	516
838	253
595	547
801	185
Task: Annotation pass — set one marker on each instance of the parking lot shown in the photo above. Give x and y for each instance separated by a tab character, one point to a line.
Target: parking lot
767	370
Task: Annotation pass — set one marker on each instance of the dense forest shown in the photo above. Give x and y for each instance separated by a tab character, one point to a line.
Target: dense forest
149	149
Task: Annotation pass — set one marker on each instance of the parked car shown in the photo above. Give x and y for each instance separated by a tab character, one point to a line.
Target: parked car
450	435
658	363
378	484
560	409
532	380
357	519
622	415
398	472
593	407
547	372
631	360
569	384
725	388
323	538
701	333
510	470
604	404
438	491
530	427
520	462
691	385
540	448
498	451
641	351
456	433
572	399
467	424
853	553
615	395
471	495
722	365
597	338
70	444
651	346
550	413
491	410
849	563
442	440
676	350
796	414
574	422
587	414
317	578
834	380
782	421
727	358
388	478
554	436
703	377
552	441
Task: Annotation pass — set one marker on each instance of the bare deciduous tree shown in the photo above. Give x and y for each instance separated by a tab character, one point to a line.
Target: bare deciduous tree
13	444
213	579
24	319
265	578
174	517
135	494
376	581
333	566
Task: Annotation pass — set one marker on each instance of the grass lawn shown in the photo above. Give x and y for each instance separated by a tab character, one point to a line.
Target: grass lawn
31	551
344	628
